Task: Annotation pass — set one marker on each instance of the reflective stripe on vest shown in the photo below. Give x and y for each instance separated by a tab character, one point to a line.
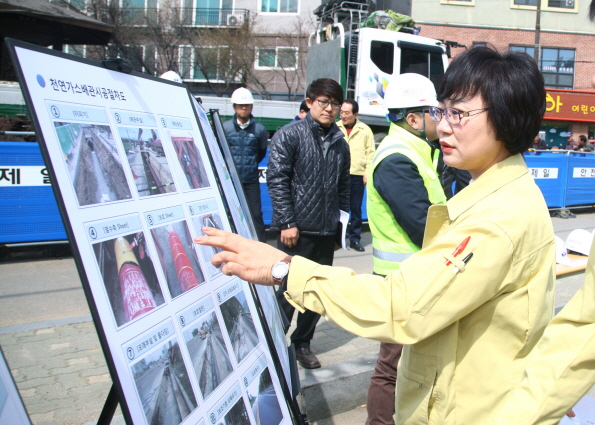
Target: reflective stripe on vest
390	256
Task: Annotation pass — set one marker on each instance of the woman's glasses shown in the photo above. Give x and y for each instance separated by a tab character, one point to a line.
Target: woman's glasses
452	115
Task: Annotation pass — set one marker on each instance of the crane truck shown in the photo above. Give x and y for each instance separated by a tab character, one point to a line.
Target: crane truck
360	51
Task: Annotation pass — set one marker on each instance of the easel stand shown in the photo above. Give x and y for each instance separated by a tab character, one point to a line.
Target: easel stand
109	408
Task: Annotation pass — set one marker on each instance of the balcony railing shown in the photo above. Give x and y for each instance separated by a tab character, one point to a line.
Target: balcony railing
232	18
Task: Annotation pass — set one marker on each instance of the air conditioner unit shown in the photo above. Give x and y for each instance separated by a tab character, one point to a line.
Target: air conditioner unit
235	19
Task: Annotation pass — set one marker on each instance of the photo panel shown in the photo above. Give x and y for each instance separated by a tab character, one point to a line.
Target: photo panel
145	153
270	307
261	394
90	154
206	347
238	319
206	213
175	249
190	160
230	410
160	376
126	267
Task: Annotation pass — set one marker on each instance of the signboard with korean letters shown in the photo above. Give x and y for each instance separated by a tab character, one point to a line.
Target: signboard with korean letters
134	172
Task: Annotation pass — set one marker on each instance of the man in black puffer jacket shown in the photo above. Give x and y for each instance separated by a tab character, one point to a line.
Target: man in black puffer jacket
308	180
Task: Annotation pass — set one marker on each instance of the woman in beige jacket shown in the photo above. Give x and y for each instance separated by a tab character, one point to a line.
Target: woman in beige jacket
468	312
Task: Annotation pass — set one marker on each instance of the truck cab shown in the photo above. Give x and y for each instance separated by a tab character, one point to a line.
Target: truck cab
364	60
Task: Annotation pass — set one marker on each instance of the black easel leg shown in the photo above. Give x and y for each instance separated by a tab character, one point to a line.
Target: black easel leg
109	408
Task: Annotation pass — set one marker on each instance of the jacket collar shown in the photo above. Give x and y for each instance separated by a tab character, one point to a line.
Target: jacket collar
335	132
354	130
235	121
414	142
490	181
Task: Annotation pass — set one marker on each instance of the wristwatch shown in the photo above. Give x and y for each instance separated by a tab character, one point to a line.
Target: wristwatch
280	271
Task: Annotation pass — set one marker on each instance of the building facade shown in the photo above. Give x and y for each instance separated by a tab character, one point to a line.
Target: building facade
215	45
566	40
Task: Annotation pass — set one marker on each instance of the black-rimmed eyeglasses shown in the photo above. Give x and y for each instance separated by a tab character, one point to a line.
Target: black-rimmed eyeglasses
324	103
452	115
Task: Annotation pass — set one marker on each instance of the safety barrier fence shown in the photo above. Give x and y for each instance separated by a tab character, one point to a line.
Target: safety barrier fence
566	178
29	213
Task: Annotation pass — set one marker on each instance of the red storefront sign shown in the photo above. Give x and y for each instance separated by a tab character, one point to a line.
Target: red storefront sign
570	105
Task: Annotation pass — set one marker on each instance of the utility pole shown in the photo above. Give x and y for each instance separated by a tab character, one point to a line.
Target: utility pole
537	34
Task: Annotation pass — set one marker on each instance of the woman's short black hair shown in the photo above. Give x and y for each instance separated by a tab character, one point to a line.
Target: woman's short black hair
510	85
325	87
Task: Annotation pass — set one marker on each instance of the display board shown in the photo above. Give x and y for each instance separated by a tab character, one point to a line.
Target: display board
266	295
135	181
12	409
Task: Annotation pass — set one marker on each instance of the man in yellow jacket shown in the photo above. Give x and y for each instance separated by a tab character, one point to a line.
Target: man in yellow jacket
360	139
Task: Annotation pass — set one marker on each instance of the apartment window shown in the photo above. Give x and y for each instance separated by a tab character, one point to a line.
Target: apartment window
479	44
459	2
557	65
204	63
77	4
138	11
562	4
208	12
75	50
279	6
277	58
525	49
548	5
143	58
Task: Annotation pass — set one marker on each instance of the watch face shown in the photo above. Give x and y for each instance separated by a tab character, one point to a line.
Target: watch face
280	270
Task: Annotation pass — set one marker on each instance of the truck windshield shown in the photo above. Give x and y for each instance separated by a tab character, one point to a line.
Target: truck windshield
424	62
382	54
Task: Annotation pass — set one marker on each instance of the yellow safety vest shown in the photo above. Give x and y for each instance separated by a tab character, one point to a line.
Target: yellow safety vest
390	242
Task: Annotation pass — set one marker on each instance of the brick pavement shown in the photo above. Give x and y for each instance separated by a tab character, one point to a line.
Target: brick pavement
60	372
63	379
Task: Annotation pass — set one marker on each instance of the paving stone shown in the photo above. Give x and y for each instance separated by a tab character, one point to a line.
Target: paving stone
32	372
46	419
55	360
59	346
45	407
70	380
96	388
80	360
99	378
100	370
69	368
45	331
34	383
54	392
28	393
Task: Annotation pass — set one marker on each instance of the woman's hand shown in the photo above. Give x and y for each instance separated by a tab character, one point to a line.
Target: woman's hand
249	260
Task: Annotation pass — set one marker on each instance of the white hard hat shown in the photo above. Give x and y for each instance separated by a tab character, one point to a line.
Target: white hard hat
242	96
579	240
409	91
561	252
172	76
